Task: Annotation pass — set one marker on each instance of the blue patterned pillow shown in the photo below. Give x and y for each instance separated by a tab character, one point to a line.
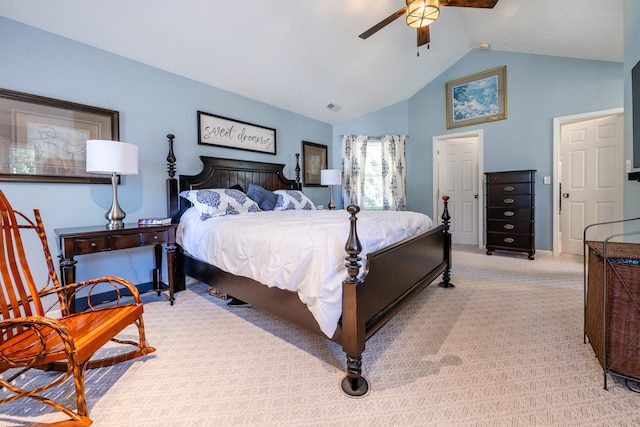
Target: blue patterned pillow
291	200
219	202
266	199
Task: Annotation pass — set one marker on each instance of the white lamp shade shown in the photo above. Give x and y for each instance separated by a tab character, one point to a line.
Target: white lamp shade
109	157
330	176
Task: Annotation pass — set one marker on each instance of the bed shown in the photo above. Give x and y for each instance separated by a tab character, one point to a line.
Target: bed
367	300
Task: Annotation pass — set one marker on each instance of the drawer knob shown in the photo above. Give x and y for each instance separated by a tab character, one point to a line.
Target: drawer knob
509	213
508	240
509	227
93	245
509	188
508	201
155	237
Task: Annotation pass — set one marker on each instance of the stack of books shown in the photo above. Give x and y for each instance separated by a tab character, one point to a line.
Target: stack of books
154	221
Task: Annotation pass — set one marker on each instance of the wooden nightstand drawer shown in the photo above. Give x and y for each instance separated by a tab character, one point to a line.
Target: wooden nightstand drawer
91	245
153	237
125	241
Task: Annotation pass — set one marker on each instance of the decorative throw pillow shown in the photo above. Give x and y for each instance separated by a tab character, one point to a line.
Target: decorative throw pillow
219	202
264	198
291	200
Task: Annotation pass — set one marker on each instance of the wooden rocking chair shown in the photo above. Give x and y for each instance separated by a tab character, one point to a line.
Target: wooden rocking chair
29	338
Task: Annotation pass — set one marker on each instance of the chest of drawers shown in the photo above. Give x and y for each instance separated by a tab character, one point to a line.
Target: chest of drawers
510	211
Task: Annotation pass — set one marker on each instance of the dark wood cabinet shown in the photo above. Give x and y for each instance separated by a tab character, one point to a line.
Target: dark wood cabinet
510	211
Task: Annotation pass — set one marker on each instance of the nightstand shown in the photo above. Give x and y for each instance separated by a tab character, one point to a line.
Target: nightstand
95	239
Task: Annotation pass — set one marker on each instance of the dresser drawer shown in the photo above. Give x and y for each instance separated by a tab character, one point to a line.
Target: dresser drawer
510	188
154	237
512	201
509	241
91	245
510	214
514	227
514	177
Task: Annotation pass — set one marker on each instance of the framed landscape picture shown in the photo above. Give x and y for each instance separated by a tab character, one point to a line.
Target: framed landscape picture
478	98
44	139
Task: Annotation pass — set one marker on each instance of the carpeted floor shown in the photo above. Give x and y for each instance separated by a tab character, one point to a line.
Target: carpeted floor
503	348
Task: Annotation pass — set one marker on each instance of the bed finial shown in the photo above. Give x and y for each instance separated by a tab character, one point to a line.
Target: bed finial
171	158
446	218
298	168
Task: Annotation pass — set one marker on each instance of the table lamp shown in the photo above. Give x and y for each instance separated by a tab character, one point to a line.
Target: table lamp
331	177
114	158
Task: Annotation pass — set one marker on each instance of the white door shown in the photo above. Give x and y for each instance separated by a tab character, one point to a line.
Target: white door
592	173
458	179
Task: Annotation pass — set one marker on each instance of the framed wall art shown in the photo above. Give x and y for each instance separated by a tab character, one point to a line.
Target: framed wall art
478	98
314	159
44	139
225	132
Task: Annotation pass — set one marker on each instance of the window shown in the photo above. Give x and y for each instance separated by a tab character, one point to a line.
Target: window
373	194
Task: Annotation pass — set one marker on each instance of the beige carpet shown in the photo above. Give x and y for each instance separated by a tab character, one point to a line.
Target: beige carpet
504	348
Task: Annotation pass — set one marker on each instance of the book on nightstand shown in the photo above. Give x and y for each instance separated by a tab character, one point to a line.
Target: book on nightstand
154	221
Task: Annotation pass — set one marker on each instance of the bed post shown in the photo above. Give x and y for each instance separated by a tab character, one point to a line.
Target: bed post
173	207
353	327
298	185
446	275
172	183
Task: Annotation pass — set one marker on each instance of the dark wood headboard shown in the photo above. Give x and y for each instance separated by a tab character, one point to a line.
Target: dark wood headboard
225	173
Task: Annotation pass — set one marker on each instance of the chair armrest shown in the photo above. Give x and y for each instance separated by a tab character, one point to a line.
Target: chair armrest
21	352
117	283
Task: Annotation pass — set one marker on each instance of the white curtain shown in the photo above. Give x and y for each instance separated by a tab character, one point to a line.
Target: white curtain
354	161
393	173
354	151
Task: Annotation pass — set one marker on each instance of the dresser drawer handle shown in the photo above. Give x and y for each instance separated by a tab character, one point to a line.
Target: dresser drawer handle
509	188
508	240
508	226
93	245
509	213
508	201
155	237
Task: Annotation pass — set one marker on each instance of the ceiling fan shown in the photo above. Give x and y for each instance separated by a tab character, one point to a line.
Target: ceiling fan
421	13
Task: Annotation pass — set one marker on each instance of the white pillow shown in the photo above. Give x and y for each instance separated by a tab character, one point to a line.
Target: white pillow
219	202
291	200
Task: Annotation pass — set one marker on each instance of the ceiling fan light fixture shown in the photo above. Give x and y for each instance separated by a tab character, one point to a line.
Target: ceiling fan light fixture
421	13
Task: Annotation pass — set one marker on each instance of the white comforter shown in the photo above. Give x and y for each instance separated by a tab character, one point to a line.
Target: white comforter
299	250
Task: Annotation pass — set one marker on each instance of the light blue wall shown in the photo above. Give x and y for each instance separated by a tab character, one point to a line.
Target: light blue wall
631	58
151	103
539	88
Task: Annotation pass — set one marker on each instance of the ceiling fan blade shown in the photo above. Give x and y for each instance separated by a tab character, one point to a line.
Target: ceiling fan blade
485	4
380	25
423	35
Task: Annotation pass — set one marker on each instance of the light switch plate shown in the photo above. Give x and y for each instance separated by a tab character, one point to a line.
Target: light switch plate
547	180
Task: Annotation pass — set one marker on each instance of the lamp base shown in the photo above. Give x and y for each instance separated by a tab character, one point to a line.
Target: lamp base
115	225
331	205
115	215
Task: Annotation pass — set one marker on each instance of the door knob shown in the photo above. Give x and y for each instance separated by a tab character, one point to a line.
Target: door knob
565	195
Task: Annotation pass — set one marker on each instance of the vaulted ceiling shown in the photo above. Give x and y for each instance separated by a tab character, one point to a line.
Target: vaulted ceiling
301	55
